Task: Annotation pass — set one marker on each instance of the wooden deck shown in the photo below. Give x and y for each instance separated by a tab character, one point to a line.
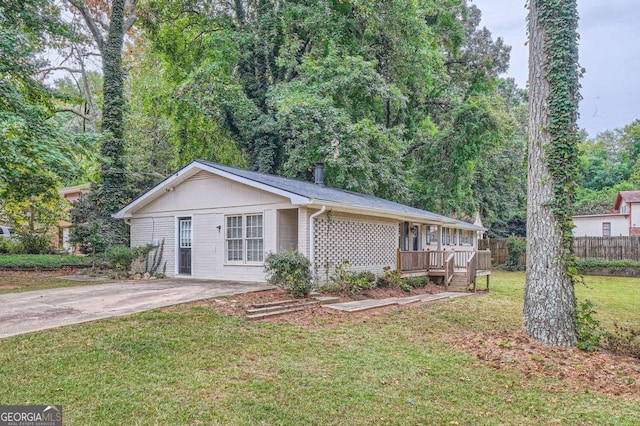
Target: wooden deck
459	269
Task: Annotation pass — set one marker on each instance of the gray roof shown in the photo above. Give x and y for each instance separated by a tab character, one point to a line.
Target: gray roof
335	195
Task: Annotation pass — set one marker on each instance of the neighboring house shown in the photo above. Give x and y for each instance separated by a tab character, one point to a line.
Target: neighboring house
220	222
624	219
71	194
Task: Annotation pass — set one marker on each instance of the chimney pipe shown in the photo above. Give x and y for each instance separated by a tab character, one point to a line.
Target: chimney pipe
318	174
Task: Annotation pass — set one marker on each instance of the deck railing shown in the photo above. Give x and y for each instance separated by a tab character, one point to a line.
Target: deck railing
413	261
484	260
472	268
416	261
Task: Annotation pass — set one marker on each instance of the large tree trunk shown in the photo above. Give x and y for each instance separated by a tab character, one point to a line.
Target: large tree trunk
113	188
549	305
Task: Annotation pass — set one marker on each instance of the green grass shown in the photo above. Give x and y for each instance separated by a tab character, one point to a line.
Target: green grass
191	365
41	261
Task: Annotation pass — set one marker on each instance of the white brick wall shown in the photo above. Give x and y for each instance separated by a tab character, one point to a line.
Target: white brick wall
145	230
369	243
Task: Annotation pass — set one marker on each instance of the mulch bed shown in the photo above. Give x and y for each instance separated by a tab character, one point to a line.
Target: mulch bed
237	305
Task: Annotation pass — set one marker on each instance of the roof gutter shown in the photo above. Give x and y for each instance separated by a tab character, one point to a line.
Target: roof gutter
398	215
312	238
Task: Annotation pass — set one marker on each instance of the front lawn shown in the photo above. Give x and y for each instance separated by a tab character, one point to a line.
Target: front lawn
192	365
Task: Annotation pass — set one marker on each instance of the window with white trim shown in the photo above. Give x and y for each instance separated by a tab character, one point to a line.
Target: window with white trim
253	235
606	229
244	238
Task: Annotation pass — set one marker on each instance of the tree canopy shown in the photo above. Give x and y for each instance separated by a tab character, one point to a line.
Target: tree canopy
404	100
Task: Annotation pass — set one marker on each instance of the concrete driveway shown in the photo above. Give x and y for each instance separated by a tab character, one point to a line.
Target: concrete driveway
42	309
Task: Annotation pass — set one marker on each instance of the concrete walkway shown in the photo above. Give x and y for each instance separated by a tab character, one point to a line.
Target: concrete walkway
42	309
362	305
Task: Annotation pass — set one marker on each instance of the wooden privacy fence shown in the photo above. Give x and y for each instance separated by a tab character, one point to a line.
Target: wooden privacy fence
602	248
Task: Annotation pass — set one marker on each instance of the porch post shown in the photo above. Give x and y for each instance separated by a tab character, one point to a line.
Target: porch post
439	237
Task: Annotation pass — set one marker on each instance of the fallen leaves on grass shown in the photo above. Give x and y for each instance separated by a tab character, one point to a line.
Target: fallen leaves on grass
579	370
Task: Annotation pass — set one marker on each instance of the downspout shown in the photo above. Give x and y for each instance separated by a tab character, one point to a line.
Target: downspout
312	238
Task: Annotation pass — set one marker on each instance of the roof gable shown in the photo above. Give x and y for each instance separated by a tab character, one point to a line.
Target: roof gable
628	197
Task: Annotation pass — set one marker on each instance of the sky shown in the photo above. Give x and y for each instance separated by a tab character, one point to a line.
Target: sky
609	51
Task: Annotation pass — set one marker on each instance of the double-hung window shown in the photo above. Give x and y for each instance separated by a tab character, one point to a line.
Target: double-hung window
606	229
244	242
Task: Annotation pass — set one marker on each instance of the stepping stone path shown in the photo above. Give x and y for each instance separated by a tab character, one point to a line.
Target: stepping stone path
362	305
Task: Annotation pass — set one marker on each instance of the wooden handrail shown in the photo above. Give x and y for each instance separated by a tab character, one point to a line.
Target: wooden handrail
472	268
449	268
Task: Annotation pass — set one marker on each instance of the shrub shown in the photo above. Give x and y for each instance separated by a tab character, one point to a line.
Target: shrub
612	264
290	271
589	328
36	261
416	282
515	249
120	257
405	286
32	244
390	278
623	341
351	282
367	276
7	246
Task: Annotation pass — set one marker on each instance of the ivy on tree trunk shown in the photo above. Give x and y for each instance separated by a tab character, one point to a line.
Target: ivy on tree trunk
549	305
112	190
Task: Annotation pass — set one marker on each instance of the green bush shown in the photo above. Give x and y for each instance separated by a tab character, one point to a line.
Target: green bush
389	278
351	282
32	244
515	249
44	261
290	271
405	286
589	328
367	276
7	246
612	264
416	282
120	257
